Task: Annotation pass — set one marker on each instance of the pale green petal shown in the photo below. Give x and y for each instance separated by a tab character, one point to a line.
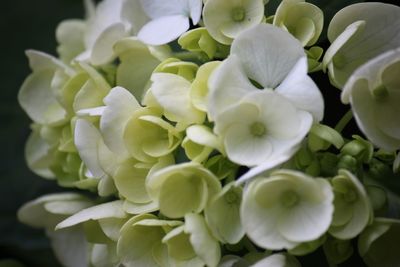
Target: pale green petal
103	255
203	135
360	205
259	222
278	260
219	18
63	207
311	218
374	115
376	37
34	212
106	13
138	208
106	186
337	251
223	215
204	244
93	91
102	51
135	246
308	247
70	246
199	89
172	92
39	61
233	261
327	134
130	181
180	195
38	155
120	105
107	210
70	37
92	112
87	138
133	13
38	101
111	227
137	64
179	247
364	107
147	136
196	186
376	241
303	20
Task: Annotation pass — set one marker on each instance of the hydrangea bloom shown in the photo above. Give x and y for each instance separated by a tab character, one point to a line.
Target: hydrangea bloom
212	150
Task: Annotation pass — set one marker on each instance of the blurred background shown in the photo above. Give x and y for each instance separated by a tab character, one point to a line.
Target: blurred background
31	24
24	24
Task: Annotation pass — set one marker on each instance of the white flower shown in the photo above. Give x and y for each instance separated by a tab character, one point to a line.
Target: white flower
271	58
373	92
378	243
262	127
352	207
286	209
169	19
359	33
225	20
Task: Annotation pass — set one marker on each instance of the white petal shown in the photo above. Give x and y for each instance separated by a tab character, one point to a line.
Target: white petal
120	105
160	8
86	139
163	30
172	92
203	135
228	84
133	14
70	246
195	10
301	90
309	220
102	51
106	210
267	53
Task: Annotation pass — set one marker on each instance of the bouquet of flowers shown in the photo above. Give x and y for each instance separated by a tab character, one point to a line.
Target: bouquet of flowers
190	133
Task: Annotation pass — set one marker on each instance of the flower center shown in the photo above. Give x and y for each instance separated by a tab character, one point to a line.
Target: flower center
289	198
231	197
238	14
339	60
350	196
380	93
257	129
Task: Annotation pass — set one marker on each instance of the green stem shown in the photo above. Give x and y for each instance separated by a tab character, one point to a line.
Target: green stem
344	121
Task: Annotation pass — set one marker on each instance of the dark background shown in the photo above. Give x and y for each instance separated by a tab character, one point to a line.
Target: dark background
24	24
31	24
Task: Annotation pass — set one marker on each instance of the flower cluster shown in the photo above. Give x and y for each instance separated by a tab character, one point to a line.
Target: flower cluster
198	130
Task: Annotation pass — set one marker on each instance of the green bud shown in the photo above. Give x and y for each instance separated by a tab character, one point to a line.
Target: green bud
182	68
359	148
378	198
313	58
328	163
385	156
349	163
321	137
337	251
379	170
199	40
